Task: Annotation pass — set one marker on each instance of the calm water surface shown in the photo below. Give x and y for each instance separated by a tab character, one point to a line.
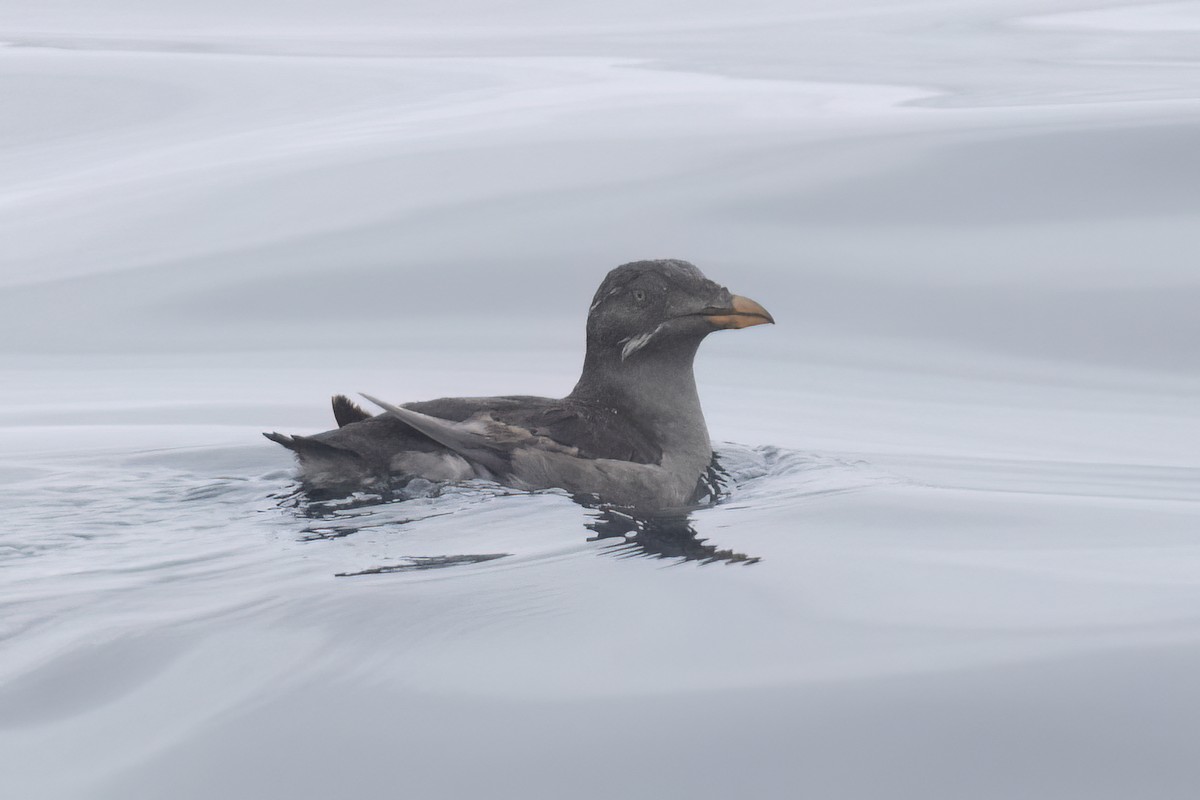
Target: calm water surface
957	554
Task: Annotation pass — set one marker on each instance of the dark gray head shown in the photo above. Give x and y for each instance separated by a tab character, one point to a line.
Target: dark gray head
646	322
648	306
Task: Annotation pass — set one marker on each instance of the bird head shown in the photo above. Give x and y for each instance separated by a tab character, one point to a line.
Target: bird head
655	306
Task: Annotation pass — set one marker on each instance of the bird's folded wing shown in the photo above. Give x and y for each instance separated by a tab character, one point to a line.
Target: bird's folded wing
461	437
590	431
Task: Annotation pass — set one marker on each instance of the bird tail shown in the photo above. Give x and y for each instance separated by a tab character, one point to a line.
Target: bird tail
326	466
306	447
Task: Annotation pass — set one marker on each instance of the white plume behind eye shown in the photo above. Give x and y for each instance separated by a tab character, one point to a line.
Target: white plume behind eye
635	343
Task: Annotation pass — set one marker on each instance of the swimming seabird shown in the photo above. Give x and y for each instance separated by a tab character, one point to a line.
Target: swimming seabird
631	433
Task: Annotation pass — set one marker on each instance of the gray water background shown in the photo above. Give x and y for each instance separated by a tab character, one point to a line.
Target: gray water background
967	459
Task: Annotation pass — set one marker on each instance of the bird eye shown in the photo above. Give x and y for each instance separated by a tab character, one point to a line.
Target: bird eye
639	295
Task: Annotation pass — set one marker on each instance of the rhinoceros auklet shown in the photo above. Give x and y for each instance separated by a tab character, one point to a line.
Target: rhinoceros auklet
631	432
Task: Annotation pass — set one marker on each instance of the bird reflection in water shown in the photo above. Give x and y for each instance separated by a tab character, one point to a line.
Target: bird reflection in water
622	532
665	534
658	536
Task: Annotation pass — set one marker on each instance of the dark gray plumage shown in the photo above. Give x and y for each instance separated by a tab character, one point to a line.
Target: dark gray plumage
631	432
